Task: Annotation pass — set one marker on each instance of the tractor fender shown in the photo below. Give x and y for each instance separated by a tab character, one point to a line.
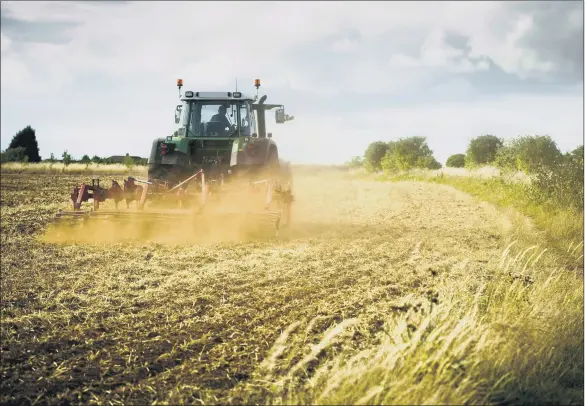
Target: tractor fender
271	146
272	149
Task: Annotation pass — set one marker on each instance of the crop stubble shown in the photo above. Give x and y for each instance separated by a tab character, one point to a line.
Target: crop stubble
142	321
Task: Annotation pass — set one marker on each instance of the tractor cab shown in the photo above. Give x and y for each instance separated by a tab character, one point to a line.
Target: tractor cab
215	114
224	114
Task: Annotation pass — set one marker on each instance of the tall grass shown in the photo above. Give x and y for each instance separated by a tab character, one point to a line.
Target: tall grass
74	168
514	338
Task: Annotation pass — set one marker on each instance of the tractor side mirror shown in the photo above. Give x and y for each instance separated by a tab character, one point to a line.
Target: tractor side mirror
269	135
178	114
280	116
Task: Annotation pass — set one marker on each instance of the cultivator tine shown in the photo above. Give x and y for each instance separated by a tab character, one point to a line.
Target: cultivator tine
143	197
268	195
81	195
204	189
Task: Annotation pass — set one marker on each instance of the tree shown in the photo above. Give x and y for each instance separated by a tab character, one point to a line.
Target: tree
96	159
456	161
52	158
528	154
26	139
428	162
66	158
482	150
409	153
374	154
85	159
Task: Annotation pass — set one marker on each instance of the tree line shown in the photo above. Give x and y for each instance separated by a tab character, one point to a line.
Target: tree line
555	175
24	148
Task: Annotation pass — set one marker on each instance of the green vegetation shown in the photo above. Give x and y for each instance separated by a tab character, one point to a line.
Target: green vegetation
400	155
553	198
482	150
24	148
128	161
66	158
408	153
13	155
528	154
374	154
26	139
456	161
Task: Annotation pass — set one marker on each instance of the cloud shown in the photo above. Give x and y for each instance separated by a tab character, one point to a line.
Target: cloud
345	45
103	73
438	56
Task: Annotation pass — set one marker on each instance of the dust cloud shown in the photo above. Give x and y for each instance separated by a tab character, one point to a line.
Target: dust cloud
329	204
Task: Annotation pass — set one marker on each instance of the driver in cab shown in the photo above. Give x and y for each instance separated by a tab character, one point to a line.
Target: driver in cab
221	117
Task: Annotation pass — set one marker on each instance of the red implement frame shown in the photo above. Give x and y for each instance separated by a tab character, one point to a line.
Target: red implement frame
139	191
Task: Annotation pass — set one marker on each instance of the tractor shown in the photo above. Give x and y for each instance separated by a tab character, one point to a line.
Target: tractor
220	158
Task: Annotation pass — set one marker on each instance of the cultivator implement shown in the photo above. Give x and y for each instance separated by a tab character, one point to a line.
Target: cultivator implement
196	202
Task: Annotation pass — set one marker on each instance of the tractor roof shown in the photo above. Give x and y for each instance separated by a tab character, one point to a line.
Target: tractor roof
215	96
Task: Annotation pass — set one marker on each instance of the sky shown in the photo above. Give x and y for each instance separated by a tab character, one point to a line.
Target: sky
100	77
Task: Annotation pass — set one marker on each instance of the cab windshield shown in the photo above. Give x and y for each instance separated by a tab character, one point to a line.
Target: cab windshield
211	118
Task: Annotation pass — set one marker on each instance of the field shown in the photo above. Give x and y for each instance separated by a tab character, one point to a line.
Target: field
404	293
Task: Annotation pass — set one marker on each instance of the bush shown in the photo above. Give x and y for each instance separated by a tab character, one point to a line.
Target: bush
66	158
528	154
456	161
26	139
128	161
482	150
374	154
409	153
562	182
13	155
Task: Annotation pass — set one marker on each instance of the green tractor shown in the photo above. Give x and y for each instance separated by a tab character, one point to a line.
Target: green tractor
223	134
220	158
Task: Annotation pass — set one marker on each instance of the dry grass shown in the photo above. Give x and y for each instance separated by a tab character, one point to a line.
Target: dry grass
74	168
380	293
